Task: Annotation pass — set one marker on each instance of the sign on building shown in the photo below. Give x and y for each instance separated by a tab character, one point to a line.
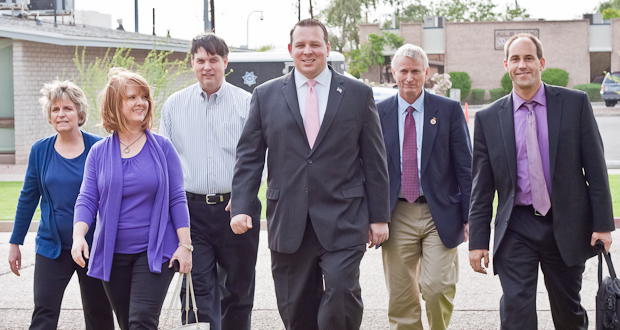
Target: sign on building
502	35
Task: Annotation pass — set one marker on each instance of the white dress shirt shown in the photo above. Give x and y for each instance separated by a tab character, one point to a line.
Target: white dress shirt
324	80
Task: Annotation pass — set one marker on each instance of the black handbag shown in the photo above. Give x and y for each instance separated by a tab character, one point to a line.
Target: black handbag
608	295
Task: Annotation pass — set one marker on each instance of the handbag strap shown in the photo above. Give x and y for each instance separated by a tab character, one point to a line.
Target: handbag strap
610	265
189	292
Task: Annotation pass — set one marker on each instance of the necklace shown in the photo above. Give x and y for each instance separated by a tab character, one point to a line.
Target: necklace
126	150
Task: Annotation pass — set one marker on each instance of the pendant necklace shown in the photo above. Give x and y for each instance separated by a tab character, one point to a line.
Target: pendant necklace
126	150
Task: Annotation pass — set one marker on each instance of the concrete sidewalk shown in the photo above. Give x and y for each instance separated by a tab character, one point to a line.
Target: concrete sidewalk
476	302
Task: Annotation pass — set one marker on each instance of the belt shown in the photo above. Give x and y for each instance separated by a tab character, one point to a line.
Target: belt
421	200
531	209
210	198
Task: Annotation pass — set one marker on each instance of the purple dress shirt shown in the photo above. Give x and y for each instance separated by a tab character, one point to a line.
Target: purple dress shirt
523	194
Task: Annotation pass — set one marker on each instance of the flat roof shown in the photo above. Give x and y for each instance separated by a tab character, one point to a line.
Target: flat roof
84	35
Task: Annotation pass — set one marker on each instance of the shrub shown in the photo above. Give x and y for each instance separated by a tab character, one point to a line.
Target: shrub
593	91
477	95
557	77
461	81
506	83
497	93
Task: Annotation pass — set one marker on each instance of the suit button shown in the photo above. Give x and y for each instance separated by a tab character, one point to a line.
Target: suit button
506	220
306	190
309	161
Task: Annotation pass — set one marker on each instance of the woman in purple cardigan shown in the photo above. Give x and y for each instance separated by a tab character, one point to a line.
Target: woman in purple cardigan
134	180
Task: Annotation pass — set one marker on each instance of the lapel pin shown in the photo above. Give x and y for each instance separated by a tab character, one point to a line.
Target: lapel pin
339	90
433	121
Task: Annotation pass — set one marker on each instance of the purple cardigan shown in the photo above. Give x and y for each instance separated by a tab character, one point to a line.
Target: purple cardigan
101	191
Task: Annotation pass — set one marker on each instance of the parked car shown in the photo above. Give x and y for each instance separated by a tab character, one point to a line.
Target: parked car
610	88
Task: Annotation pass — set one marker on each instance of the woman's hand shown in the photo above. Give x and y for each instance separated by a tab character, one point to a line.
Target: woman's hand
184	256
15	258
79	251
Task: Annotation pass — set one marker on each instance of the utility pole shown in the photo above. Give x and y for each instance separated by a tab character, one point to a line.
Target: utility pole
298	10
153	21
55	9
213	16
206	16
136	13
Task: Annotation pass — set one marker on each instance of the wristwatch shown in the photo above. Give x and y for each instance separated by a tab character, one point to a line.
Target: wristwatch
189	247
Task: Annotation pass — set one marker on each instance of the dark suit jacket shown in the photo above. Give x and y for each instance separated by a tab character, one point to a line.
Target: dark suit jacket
341	184
445	165
580	199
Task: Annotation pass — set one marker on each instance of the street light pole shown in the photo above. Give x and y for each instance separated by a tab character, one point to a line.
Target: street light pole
247	40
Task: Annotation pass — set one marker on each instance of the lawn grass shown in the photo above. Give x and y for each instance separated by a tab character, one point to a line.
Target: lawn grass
9	193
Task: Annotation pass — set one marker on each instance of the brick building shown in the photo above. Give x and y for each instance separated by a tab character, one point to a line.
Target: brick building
584	48
31	55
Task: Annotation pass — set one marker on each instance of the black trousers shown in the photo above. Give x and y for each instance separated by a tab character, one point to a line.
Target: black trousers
223	267
316	288
528	243
51	277
135	293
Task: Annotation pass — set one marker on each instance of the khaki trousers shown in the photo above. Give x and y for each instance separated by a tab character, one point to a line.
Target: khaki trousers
415	260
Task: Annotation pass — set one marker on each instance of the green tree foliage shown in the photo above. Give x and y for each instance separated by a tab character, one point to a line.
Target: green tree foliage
506	83
159	71
371	52
265	48
412	12
610	13
477	95
557	77
512	13
462	81
344	16
593	91
613	4
496	94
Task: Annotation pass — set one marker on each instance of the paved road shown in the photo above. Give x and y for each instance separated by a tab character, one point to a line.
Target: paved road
476	302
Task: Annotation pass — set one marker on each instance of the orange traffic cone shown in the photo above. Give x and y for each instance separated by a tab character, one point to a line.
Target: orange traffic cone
466	113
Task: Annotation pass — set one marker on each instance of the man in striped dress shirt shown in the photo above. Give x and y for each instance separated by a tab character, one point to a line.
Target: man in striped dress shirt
204	122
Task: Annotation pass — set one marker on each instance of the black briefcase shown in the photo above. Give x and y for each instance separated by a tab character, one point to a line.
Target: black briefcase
608	296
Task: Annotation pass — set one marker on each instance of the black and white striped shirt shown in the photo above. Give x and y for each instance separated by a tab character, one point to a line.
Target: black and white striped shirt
205	133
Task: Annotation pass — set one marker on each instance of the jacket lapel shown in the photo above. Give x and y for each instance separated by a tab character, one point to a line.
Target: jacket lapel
507	122
429	130
336	93
392	142
290	95
554	116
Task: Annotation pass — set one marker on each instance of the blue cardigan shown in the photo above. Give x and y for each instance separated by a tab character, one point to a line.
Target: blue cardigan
48	240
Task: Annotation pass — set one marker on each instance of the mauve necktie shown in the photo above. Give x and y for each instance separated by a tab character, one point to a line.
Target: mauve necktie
540	194
312	114
409	177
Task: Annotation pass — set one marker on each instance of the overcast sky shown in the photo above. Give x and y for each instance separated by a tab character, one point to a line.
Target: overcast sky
184	18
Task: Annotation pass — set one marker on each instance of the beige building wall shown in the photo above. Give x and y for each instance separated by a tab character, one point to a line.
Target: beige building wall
35	64
470	48
364	31
615	44
413	33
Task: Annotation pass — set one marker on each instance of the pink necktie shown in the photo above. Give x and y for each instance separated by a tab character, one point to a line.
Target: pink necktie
409	177
312	114
538	185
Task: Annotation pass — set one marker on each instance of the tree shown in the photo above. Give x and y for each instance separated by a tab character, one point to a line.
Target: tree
159	71
466	10
613	4
414	12
610	13
371	52
344	16
512	13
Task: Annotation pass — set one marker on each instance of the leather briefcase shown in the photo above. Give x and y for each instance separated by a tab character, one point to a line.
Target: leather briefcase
608	295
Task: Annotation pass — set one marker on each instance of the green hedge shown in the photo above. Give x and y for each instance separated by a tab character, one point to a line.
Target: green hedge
506	83
461	81
477	95
557	77
593	90
497	93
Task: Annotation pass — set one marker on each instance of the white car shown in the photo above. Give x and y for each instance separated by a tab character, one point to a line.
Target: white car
381	93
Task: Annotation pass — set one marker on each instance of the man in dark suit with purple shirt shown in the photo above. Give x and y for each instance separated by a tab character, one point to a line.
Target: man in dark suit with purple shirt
540	149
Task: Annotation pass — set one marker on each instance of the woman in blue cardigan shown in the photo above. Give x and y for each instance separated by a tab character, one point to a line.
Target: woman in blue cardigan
133	181
54	175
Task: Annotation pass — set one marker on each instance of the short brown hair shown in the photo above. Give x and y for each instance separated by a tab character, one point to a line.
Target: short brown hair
114	95
211	43
63	90
311	22
536	41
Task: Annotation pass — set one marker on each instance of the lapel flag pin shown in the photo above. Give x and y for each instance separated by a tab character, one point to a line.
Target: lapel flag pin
339	90
433	121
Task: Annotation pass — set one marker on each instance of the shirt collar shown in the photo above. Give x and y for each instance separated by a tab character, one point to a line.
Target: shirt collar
540	97
323	78
215	96
418	104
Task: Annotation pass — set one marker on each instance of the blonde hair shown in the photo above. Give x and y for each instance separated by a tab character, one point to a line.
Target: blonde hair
63	90
114	95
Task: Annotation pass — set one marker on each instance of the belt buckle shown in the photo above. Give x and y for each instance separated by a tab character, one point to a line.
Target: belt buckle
214	195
